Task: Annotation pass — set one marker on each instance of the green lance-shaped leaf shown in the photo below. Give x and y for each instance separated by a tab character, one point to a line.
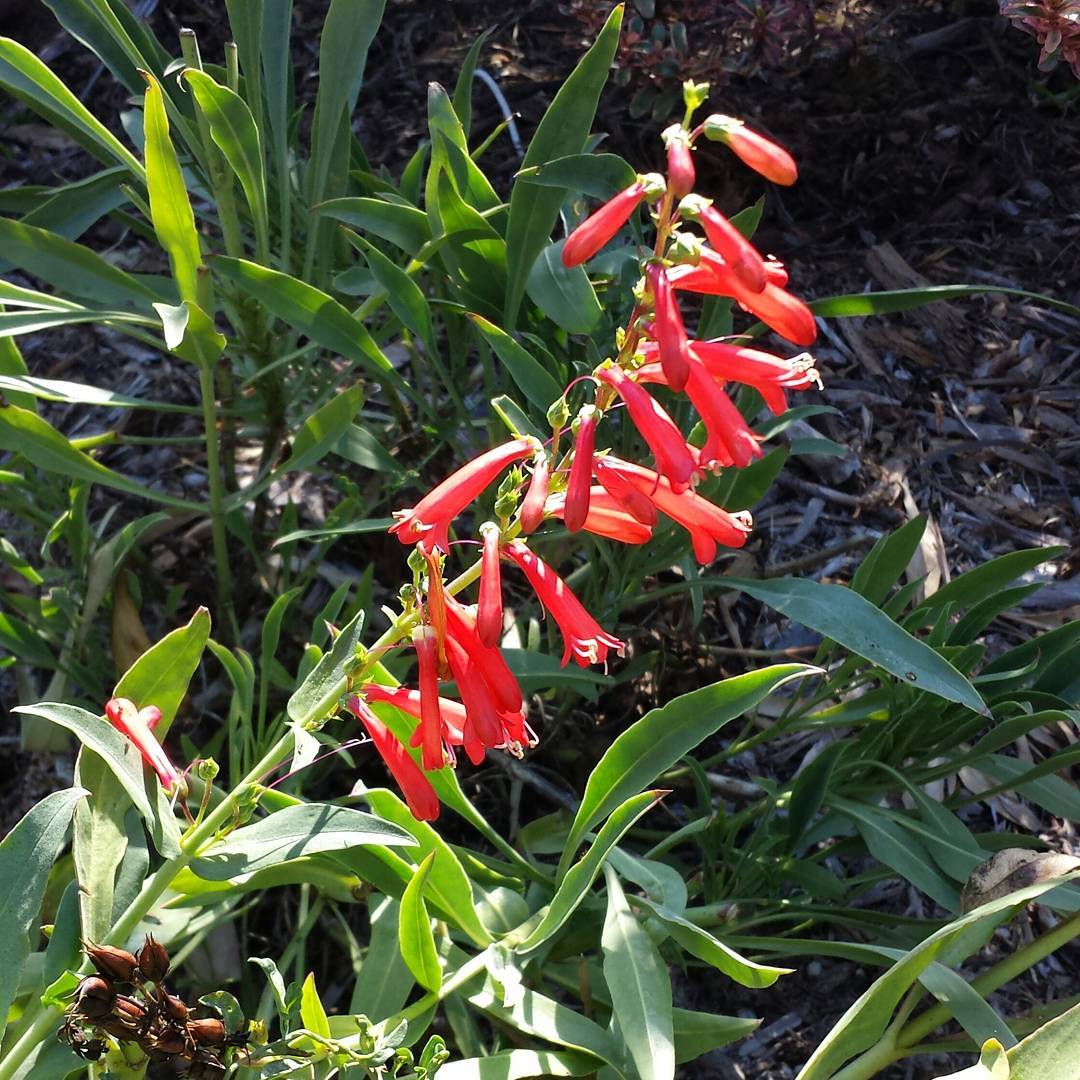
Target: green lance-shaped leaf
322	430
885	303
518	1064
640	987
532	378
562	131
233	129
704	946
564	294
190	333
304	829
405	227
26	856
27	78
844	616
415	937
161	675
598	175
662	736
318	694
123	760
170	207
579	878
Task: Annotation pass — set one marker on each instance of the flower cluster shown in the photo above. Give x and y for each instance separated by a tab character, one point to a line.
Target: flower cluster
586	486
1055	25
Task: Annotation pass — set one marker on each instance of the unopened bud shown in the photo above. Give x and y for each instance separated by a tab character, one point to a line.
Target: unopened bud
694	94
558	414
96	998
153	960
207	770
112	962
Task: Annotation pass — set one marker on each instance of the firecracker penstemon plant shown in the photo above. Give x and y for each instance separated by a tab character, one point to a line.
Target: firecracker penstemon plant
504	956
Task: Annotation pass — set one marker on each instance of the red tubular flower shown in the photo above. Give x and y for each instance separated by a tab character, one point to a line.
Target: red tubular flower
753	149
482	728
785	313
429	520
769	375
431	730
436	607
608	517
576	507
451	713
776	272
639	506
707	523
680	161
420	796
673	457
489	610
504	688
136	725
744	259
669	329
600	226
583	637
532	506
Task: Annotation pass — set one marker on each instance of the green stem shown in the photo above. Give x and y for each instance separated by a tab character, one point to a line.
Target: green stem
207	391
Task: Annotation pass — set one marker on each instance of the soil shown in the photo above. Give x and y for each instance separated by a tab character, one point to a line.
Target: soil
931	151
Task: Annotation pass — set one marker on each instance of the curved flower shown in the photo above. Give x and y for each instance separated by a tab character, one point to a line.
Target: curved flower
532	506
576	507
420	796
601	225
673	457
670	332
707	523
500	679
428	522
451	713
489	608
431	728
744	259
136	724
769	375
583	637
636	504
607	517
753	149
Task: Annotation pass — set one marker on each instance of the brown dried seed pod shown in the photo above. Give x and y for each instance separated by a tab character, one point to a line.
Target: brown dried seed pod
112	962
153	960
173	1007
204	1066
96	997
128	1009
207	1032
171	1041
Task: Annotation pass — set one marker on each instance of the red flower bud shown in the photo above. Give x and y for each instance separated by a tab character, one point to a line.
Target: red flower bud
744	259
624	493
576	508
680	162
597	229
532	507
669	329
761	154
489	610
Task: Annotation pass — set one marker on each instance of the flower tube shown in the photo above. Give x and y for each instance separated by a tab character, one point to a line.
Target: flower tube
600	226
669	329
489	610
136	725
576	507
607	517
753	149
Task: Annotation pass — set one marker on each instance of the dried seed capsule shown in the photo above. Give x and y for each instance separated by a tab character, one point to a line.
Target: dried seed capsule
207	1032
128	1009
173	1007
204	1066
171	1041
153	960
96	998
112	962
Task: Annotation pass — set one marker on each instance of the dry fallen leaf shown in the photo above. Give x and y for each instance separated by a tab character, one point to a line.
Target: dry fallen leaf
1014	868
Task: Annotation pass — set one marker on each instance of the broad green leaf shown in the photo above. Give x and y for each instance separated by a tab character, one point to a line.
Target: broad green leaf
447	883
318	694
885	303
405	297
64	948
533	380
322	430
564	294
25	77
578	880
866	1020
161	675
449	136
704	946
1048	1052
697	1033
123	759
663	883
312	312
24	432
993	1064
598	175
299	830
190	333
517	1064
562	131
846	617
26	857
403	226
415	937
384	982
233	129
312	1012
880	570
662	736
640	987
170	206
73	269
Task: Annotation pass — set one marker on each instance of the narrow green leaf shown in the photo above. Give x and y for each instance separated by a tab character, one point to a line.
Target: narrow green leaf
317	695
697	1033
886	303
170	206
517	1064
662	736
598	175
532	379
384	982
322	430
406	298
562	131
80	394
403	226
564	294
846	617
967	1006
640	987
415	937
26	856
